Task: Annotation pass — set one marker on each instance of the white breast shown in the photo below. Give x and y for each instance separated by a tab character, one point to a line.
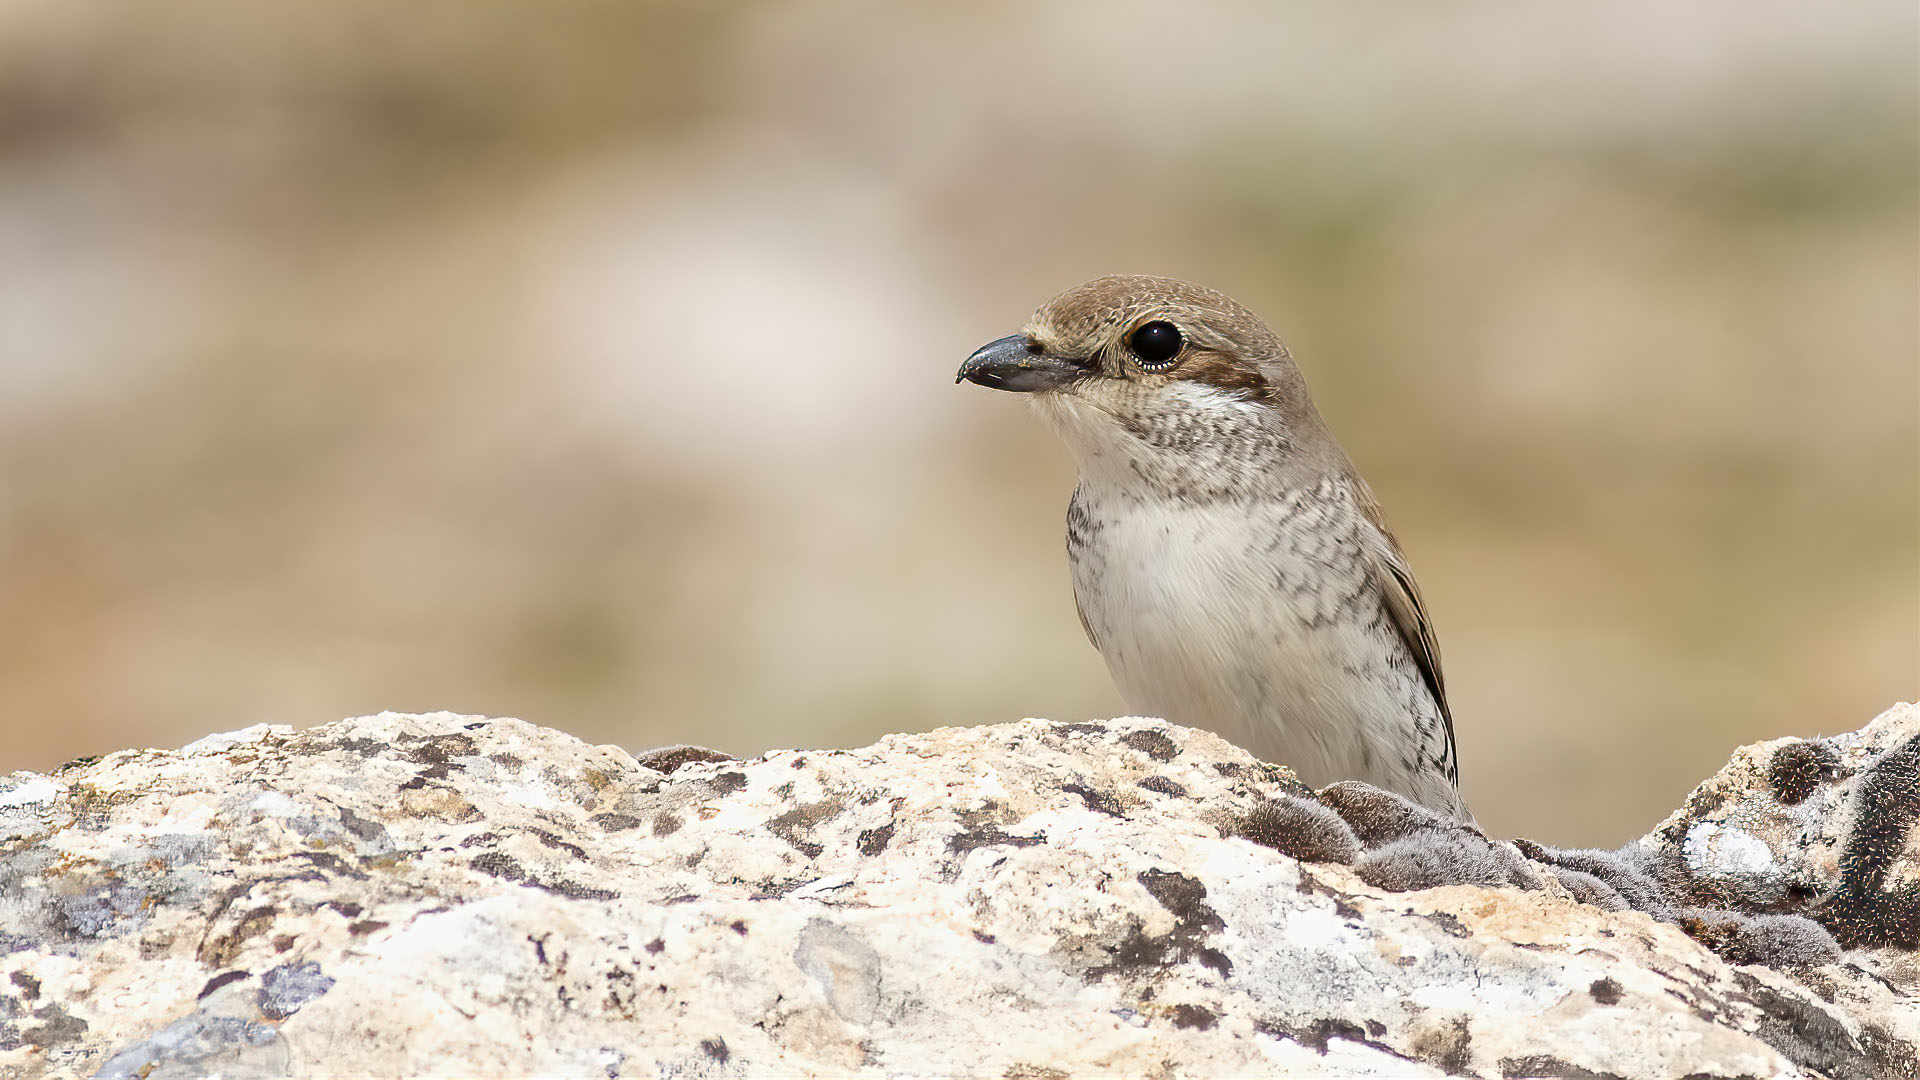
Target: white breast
1254	620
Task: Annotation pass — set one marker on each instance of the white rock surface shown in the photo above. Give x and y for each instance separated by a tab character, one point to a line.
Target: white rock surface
403	894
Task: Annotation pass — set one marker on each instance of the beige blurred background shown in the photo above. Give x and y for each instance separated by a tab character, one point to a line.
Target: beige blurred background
593	363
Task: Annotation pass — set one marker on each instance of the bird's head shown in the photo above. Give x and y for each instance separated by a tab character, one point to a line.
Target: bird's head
1172	383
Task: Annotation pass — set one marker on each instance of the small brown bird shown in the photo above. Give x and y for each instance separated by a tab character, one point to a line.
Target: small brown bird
1228	562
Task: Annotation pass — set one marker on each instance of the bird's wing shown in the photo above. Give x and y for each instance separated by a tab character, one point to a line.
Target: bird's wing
1076	529
1405	607
1080	609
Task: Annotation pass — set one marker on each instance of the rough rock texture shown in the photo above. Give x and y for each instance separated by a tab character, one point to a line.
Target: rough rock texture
398	894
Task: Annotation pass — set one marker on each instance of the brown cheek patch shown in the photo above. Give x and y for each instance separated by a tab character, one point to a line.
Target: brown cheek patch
1209	369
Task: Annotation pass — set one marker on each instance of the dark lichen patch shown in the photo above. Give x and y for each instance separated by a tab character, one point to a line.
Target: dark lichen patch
358	744
621	993
56	1028
990	836
107	910
597	780
1098	801
1863	912
435	747
218	950
715	1049
1606	991
284	989
93	805
1817	981
665	824
874	841
574	890
503	866
1165	786
330	863
796	825
77	764
550	840
1889	1054
1035	1072
1806	1034
1194	921
1136	953
656	946
1318	1035
1082	728
437	754
362	828
1799	768
616	822
1300	828
1185	897
1550	1068
220	980
363	927
1448	923
498	864
1154	744
1314	1036
1197	1017
1448	1046
668	758
727	783
29	986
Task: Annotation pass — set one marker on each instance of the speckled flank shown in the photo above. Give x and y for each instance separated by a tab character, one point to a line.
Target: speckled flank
1325	684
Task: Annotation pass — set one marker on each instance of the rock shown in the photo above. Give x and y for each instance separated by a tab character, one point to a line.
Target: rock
397	894
1824	825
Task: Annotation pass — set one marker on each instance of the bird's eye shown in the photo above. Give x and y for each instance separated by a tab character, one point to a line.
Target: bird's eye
1155	344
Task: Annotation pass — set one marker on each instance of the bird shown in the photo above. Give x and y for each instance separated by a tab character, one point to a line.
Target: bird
1228	562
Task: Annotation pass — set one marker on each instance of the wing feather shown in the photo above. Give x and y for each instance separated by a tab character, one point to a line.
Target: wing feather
1407	610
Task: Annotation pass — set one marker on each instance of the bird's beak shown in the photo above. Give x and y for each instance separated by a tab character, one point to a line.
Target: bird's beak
1018	363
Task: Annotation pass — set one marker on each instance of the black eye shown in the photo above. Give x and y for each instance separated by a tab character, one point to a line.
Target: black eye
1156	344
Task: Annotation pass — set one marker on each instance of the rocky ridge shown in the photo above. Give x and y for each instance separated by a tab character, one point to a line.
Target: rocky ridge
401	893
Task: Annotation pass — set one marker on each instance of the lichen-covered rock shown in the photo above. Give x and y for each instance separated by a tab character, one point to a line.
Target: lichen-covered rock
399	894
1824	825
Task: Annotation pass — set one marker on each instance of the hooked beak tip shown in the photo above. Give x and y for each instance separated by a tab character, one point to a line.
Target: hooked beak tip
1018	364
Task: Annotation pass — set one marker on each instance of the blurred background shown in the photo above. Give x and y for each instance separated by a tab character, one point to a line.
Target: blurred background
593	363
